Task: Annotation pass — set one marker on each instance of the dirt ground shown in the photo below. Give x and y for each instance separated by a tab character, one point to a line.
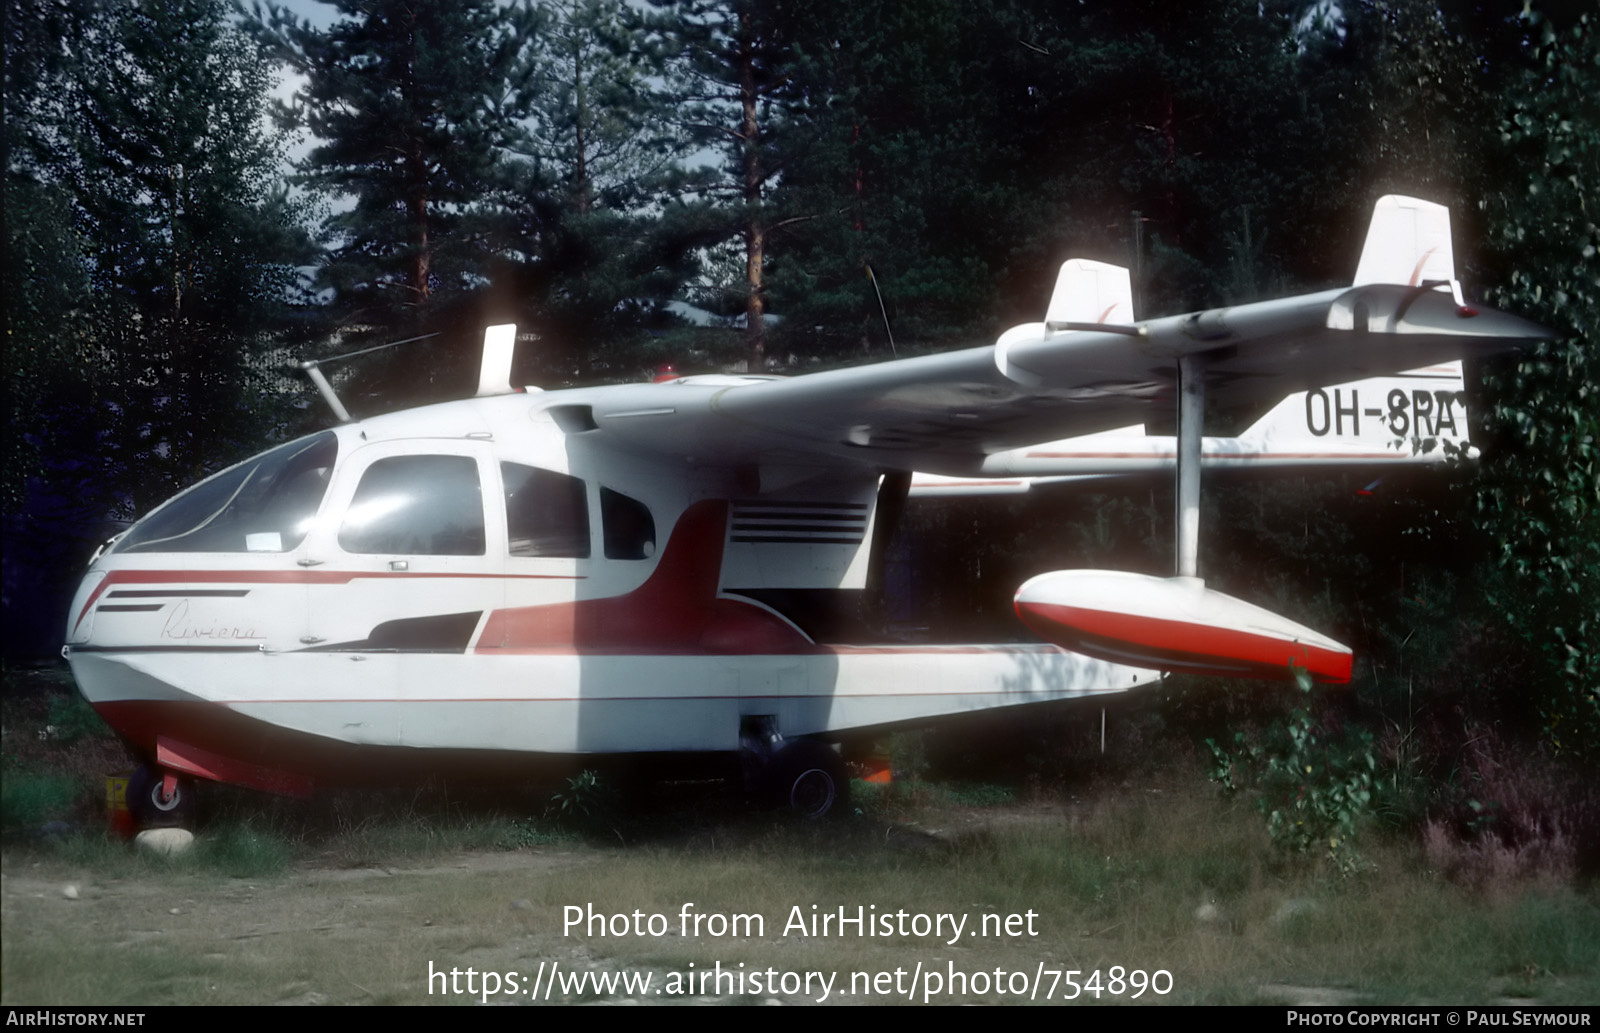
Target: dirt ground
324	933
315	936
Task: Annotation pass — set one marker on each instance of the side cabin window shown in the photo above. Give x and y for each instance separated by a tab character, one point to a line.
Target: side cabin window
547	513
264	505
424	505
630	531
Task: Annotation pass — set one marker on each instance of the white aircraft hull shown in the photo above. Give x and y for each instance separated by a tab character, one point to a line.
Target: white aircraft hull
560	704
234	668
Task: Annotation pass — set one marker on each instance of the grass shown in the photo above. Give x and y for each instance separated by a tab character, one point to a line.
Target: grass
30	800
346	898
1123	885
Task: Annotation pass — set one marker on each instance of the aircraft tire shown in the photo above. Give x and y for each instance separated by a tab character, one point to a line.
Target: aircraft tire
152	810
809	779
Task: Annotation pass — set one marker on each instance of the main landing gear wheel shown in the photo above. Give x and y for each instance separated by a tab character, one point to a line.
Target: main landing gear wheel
809	779
152	806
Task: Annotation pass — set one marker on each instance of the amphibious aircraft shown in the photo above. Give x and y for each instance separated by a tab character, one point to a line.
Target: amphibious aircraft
610	570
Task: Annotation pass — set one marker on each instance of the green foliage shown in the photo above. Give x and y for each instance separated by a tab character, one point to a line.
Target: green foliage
49	327
1540	501
583	799
903	169
603	137
72	719
908	755
155	254
1313	788
29	799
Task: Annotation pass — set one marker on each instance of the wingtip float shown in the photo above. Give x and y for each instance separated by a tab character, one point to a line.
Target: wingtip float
1175	624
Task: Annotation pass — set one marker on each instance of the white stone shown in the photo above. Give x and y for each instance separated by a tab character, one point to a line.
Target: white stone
166	842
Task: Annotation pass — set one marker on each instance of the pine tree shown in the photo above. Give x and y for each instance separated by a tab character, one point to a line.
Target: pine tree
411	105
963	152
46	283
588	184
734	80
903	163
598	126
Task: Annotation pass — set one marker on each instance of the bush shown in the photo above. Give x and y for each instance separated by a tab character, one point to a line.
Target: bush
1313	787
1507	819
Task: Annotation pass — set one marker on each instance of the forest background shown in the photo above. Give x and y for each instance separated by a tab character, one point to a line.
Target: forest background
182	222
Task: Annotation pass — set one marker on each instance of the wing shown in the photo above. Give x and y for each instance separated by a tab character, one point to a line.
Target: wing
947	413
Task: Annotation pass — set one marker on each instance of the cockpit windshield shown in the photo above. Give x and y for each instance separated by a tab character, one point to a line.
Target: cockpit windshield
264	505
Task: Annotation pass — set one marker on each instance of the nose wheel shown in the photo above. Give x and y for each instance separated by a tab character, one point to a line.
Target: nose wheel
158	798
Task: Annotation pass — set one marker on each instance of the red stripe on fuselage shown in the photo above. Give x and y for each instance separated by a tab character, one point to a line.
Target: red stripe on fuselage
282	577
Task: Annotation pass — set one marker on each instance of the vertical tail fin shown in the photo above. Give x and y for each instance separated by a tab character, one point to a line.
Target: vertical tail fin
1408	242
1090	292
1086	292
494	375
